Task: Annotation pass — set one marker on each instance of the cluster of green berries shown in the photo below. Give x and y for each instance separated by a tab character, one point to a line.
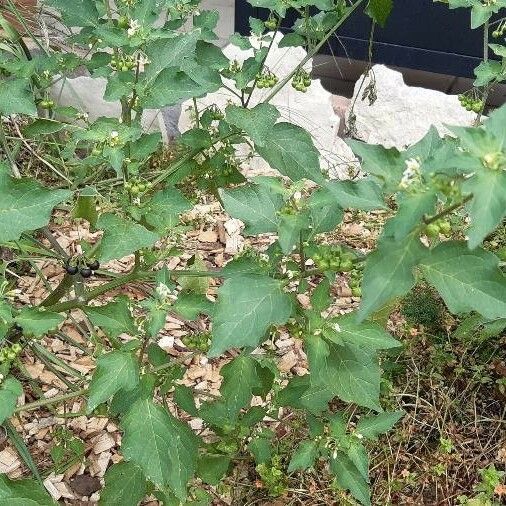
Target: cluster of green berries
215	113
471	103
123	63
333	258
301	81
266	79
199	342
355	282
137	187
438	227
46	103
501	30
271	23
9	353
80	265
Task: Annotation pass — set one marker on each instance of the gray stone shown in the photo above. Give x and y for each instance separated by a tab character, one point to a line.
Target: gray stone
401	115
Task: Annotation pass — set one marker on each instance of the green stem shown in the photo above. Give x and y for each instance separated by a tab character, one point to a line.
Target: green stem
53	400
312	53
448	210
58	293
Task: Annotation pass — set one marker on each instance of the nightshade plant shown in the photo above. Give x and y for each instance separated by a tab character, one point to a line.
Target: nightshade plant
107	180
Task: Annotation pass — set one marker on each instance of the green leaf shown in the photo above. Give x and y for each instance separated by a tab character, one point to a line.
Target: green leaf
496	126
256	205
183	397
25	205
292	39
320	298
487	209
212	468
291	151
247	306
80	13
348	372
114	318
257	122
86	209
412	208
373	426
16	97
304	456
10	390
467	280
240	379
349	478
290	228
387	164
115	371
487	72
325	211
122	237
191	305
163	209
367	335
364	194
162	446
389	272
360	458
43	126
125	485
379	10
23	493
37	322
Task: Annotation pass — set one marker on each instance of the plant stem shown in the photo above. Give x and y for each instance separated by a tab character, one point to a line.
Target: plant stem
58	293
53	400
312	53
448	210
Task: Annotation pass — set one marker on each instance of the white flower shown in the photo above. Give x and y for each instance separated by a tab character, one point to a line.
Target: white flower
114	134
334	455
297	196
336	327
133	28
358	435
411	172
163	291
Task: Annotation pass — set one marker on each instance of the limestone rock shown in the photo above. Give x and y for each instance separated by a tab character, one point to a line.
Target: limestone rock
401	114
86	94
312	110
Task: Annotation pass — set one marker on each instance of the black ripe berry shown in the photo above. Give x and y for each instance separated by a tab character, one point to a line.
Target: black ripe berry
93	265
71	269
86	272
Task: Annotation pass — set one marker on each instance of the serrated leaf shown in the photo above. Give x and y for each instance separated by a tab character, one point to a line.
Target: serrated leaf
114	318
389	272
257	122
256	205
115	371
304	456
162	446
349	478
247	306
125	485
23	493
36	322
122	237
163	209
367	335
373	426
25	205
291	151
10	390
467	280
16	97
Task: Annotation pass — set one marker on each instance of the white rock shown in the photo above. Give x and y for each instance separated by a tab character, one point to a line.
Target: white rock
87	95
312	110
401	114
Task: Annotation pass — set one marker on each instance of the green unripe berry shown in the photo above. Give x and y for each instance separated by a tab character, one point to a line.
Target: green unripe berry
496	34
346	265
445	227
432	230
134	190
142	187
